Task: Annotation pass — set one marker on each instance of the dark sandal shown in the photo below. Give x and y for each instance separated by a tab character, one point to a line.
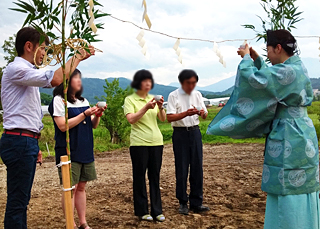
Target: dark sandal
84	226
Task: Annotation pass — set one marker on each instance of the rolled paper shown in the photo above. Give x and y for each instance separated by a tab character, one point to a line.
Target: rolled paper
91	4
144	3
91	12
215	47
94	28
140	35
176	45
178	51
146	17
144	50
91	21
142	42
144	14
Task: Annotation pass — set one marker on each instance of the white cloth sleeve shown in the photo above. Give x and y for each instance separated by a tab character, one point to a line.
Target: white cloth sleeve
32	77
171	108
58	107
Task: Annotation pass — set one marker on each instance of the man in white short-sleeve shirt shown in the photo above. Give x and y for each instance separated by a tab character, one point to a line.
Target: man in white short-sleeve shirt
185	105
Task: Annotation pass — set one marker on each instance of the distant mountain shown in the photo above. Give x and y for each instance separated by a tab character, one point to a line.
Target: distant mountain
93	87
220	86
315	83
174	84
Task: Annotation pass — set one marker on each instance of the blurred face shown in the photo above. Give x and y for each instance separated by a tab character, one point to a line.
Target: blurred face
189	85
76	83
146	85
274	54
40	52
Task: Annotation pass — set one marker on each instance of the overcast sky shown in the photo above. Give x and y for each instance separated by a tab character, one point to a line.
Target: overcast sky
206	19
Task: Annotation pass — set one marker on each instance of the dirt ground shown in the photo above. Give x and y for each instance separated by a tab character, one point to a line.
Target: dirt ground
232	177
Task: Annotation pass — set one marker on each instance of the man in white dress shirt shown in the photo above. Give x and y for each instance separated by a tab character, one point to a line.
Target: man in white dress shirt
22	117
185	105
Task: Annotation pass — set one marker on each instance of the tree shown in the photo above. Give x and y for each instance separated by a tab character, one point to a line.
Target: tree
10	53
45	98
281	14
113	118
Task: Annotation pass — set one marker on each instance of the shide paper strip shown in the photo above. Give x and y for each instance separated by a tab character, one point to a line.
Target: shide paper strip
178	50
219	54
142	43
145	16
147	19
91	21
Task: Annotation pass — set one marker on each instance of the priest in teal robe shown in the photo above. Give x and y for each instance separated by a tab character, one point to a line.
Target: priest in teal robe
272	102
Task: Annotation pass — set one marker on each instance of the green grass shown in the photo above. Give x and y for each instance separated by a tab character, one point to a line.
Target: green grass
102	137
166	130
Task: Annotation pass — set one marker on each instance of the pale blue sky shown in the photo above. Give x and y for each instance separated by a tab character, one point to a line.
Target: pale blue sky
207	19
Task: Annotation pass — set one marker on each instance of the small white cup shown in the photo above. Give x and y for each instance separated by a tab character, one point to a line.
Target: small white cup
101	104
199	108
158	98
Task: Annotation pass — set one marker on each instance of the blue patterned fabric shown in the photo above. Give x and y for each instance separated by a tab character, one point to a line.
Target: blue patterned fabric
272	101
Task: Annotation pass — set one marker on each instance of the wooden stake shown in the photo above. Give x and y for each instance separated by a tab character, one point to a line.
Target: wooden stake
67	194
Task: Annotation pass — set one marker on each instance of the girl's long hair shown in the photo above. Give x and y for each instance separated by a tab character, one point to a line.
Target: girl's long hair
59	89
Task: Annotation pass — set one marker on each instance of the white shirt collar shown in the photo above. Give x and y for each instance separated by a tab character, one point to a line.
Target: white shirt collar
20	59
182	92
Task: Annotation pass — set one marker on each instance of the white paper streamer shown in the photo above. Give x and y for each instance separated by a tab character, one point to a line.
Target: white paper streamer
178	50
142	43
219	54
91	21
145	16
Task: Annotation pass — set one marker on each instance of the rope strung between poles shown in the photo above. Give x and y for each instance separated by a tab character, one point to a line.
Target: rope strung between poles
197	39
176	46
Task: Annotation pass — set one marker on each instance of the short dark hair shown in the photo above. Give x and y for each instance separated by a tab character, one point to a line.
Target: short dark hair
59	90
141	76
27	34
187	74
283	38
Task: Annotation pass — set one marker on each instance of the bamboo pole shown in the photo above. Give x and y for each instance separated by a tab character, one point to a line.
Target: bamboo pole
68	209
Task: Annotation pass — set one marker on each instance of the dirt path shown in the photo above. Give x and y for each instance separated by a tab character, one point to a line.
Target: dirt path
232	176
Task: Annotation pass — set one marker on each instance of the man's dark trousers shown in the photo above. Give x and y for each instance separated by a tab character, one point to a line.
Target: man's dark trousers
187	147
19	154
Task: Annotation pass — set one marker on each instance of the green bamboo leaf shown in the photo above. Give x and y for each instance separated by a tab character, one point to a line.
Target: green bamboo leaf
42	39
101	15
19	10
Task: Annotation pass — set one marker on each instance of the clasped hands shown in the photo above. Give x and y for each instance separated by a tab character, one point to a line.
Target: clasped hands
248	50
151	104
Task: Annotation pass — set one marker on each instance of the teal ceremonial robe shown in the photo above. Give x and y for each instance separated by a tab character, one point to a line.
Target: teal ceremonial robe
272	101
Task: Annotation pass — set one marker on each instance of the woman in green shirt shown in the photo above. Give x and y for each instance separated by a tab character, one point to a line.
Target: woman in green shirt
146	145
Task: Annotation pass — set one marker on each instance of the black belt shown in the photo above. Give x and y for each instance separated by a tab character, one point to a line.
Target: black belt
187	128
